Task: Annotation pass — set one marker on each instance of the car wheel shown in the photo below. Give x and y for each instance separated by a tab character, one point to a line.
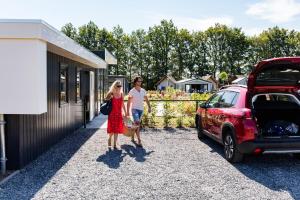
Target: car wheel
199	129
231	152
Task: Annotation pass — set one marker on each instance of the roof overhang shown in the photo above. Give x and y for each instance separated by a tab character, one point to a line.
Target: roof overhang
56	41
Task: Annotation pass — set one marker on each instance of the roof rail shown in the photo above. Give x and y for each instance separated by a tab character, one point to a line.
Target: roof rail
233	85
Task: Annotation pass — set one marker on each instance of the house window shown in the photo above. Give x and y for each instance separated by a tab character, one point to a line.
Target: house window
63	76
78	84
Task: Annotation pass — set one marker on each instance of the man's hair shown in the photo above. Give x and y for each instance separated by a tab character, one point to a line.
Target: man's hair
136	79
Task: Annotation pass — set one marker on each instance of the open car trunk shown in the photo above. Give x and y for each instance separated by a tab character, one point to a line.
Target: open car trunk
277	115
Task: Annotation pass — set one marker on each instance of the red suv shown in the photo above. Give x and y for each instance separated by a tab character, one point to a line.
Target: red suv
263	117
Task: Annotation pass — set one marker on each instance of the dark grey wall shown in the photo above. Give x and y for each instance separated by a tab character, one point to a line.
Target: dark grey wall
28	136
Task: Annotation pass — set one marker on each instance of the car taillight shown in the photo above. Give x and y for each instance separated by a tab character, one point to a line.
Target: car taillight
250	129
247	113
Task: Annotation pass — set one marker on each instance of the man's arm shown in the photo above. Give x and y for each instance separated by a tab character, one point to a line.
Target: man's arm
148	103
129	104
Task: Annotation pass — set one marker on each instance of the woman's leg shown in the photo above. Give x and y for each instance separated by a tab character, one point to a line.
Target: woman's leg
115	140
109	139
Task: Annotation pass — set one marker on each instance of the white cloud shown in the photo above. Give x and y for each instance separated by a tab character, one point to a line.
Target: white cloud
252	31
275	11
192	24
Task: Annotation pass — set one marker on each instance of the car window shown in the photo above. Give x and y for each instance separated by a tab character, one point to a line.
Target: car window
213	102
235	99
228	99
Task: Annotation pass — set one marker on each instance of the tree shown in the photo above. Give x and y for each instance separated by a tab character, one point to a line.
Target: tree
199	47
236	50
216	47
70	31
105	40
165	50
162	39
120	45
183	55
223	76
87	36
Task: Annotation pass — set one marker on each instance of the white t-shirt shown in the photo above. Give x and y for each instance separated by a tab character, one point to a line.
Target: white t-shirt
137	98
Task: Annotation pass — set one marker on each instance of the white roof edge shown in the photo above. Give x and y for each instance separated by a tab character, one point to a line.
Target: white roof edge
39	29
193	79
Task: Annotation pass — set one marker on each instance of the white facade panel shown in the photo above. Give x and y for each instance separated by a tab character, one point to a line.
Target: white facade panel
57	42
23	76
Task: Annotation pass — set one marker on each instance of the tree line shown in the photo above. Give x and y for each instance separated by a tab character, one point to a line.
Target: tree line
166	50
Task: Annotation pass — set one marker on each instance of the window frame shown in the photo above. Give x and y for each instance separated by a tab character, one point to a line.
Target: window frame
66	68
78	99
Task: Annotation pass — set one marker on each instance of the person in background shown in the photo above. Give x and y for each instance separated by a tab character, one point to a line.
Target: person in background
136	98
115	118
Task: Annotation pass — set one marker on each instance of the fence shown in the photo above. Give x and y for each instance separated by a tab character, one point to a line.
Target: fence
171	113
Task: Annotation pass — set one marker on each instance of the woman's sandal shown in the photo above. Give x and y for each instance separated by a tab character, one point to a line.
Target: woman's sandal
109	143
139	144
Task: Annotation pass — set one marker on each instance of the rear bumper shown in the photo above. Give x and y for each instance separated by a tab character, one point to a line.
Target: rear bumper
291	146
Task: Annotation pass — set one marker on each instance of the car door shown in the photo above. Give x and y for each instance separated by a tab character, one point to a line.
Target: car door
222	113
209	113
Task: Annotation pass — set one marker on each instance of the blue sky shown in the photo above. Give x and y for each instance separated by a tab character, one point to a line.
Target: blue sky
252	16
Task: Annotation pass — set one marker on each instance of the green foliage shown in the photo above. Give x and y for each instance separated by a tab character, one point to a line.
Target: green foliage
165	50
153	114
70	31
223	76
200	97
167	114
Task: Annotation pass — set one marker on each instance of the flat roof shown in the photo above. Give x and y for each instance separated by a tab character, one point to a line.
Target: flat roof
57	42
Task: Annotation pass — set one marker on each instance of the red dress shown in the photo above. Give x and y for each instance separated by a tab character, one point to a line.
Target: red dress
115	119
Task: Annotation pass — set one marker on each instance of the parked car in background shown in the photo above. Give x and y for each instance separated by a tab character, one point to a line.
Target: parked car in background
262	117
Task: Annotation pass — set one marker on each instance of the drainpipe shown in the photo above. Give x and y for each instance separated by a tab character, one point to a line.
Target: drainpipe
2	145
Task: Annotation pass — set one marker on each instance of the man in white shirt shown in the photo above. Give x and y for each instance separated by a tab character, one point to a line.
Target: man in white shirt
136	97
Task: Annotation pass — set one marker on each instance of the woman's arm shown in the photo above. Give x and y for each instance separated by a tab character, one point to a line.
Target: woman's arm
124	109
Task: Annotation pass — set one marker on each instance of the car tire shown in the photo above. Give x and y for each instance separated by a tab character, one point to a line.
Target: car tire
199	128
231	152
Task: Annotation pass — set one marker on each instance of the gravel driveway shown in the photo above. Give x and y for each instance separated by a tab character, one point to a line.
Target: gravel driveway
174	164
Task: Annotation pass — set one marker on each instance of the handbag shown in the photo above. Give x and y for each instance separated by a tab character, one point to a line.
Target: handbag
106	107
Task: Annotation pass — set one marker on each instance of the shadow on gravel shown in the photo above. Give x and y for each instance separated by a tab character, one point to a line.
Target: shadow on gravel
136	152
35	175
112	158
276	172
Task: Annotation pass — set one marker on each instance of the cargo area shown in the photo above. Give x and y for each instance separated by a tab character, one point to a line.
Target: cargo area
277	114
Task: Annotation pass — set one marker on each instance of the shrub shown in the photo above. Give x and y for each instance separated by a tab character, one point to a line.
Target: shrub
167	114
153	114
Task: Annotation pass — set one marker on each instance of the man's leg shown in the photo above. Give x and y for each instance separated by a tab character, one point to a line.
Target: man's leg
135	120
139	127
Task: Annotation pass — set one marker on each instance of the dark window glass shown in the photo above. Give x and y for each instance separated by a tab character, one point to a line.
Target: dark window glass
227	100
63	84
78	83
279	75
213	102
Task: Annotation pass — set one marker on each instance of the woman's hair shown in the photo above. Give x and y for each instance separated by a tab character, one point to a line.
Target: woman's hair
136	79
112	88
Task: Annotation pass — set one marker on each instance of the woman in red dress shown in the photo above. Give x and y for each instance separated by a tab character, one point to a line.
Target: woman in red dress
115	118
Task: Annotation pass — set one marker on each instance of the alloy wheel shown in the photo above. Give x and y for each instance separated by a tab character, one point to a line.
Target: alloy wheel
228	145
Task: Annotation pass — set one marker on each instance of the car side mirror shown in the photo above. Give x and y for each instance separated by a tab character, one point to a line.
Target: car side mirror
203	105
